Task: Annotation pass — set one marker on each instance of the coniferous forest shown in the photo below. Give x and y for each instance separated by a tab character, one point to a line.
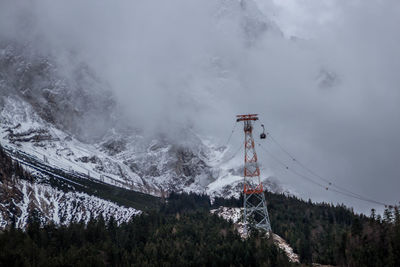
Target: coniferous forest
182	232
156	239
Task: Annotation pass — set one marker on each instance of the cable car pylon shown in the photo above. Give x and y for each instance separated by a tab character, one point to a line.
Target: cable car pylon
254	204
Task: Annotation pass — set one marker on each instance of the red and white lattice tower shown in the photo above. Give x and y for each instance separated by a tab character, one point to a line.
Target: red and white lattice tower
255	206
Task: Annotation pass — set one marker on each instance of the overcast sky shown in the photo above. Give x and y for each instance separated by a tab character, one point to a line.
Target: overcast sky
352	136
331	96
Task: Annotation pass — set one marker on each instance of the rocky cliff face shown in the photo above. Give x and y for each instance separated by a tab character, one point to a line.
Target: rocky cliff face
67	101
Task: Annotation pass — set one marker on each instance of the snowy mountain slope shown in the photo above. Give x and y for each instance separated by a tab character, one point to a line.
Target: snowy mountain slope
20	199
161	167
29	188
68	99
24	130
68	119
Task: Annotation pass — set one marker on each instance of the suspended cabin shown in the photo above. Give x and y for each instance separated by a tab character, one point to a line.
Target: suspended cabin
263	135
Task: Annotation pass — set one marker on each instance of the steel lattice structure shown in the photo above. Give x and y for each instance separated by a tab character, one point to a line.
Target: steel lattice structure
255	205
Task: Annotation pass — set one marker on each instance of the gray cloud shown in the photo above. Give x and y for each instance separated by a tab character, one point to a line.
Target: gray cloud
199	63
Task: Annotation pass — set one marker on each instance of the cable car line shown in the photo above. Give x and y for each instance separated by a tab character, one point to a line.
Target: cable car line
230	135
319	184
234	154
330	183
290	169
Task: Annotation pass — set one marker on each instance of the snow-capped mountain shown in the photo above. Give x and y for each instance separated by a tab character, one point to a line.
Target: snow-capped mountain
68	119
129	162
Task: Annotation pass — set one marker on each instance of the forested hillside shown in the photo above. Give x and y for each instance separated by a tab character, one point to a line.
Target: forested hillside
156	239
334	235
183	232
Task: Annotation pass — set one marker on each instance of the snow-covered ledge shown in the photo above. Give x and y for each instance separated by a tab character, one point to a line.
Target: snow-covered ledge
235	215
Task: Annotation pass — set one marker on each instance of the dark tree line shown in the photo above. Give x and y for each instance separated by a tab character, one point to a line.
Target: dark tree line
172	238
333	234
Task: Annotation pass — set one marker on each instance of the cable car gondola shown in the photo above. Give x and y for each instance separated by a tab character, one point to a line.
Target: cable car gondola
263	135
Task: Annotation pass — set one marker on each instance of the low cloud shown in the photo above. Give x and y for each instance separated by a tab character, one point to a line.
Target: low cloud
188	63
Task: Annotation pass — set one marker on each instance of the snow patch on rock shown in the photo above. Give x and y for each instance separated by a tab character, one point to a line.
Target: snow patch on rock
282	244
235	215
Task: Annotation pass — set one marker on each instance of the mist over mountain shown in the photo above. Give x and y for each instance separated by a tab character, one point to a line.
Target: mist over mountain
169	71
